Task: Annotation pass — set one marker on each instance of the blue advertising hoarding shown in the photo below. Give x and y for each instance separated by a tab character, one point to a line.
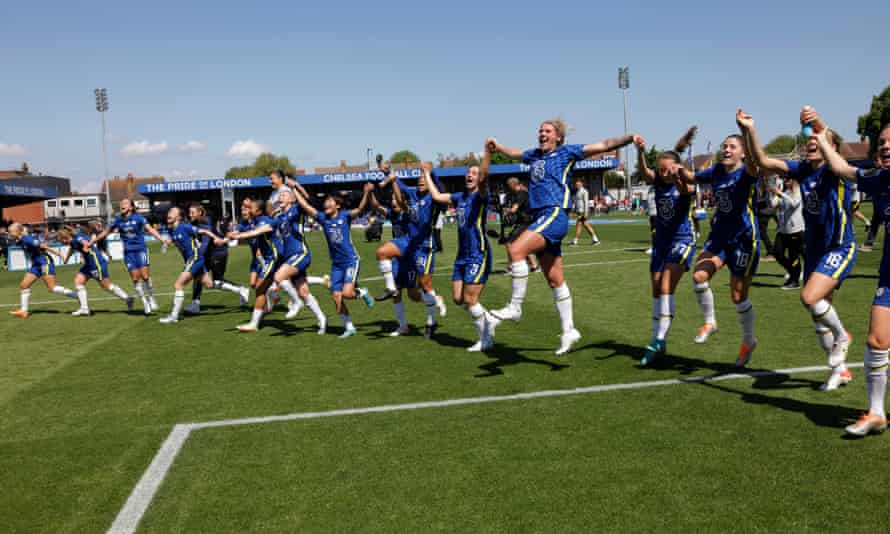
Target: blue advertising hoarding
350	177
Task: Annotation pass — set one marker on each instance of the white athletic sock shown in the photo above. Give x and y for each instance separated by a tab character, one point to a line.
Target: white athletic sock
563	299
477	312
25	299
178	299
705	298
665	316
824	313
256	317
82	297
61	290
389	280
140	291
519	272
312	304
289	288
656	315
225	286
399	308
746	320
876	362
361	292
432	306
826	338
149	290
315	280
347	321
118	292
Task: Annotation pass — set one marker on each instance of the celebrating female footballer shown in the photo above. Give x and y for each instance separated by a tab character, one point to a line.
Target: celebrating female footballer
830	246
550	169
473	262
673	243
876	183
42	267
93	265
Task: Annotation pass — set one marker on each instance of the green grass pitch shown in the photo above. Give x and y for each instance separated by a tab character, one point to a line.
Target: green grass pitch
85	403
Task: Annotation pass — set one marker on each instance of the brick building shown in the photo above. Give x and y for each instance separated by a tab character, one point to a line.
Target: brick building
31	213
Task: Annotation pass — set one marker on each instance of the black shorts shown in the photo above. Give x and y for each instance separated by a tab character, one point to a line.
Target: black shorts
216	266
516	232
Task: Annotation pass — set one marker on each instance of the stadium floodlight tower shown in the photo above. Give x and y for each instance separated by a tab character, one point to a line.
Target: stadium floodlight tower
102	107
368	154
624	85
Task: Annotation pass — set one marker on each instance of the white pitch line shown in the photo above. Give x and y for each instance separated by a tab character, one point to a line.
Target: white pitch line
143	493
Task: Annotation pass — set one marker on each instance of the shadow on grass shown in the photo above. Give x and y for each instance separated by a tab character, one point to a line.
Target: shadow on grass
825	415
507	356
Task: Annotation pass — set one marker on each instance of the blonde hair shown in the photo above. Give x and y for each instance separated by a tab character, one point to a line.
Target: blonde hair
561	127
16	228
64	233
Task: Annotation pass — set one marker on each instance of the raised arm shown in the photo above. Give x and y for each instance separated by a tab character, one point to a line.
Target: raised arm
484	169
836	162
258	231
154	233
363	204
642	166
293	183
759	159
437	195
512	153
608	145
375	204
303	201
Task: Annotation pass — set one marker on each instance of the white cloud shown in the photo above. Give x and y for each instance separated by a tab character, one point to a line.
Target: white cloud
144	148
12	150
246	149
193	146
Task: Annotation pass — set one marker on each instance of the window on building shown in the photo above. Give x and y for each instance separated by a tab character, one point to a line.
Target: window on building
78	203
64	203
50	203
91	202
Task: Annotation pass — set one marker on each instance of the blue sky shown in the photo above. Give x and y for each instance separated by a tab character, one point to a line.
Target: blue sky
321	84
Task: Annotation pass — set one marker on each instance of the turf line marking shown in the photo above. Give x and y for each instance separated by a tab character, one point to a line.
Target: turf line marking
128	518
143	493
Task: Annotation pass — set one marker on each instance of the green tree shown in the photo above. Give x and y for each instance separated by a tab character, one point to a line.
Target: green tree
870	124
405	157
784	144
500	159
262	166
453	160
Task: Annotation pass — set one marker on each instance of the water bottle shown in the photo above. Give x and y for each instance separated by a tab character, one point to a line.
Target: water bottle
807	130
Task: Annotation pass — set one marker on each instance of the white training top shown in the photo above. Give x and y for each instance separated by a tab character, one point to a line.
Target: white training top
582	201
650	202
789	211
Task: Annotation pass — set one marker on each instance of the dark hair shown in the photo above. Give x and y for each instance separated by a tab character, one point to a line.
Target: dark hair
737	137
671	155
338	199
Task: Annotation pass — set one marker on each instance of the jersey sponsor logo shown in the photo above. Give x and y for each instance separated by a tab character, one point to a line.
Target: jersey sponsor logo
665	208
538	170
811	201
335	234
724	200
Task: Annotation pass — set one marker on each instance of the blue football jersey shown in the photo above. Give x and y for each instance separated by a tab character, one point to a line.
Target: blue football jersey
90	256
876	183
31	246
186	239
673	219
827	202
472	242
246	226
268	244
337	231
735	194
399	222
422	212
550	175
132	231
289	231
